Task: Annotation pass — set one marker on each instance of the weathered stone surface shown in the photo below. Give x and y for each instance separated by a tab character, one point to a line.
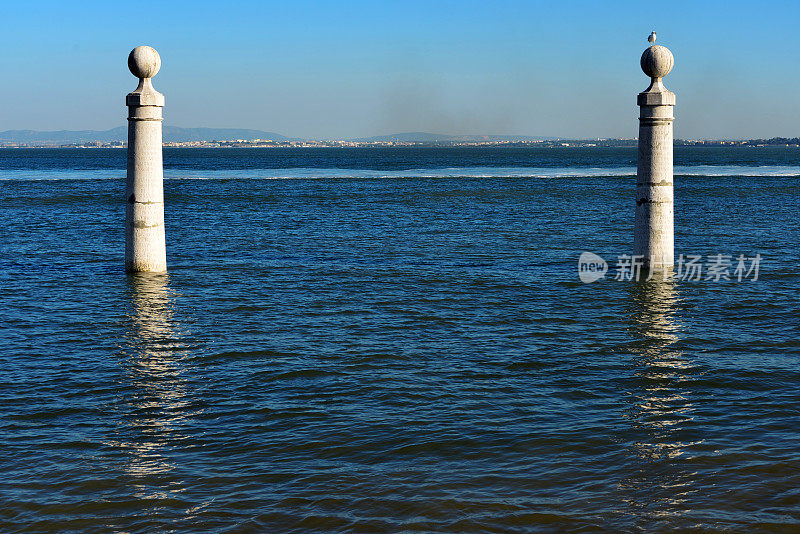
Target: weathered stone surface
144	62
653	237
657	61
145	242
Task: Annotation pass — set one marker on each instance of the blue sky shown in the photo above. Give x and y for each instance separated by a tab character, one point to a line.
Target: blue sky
353	68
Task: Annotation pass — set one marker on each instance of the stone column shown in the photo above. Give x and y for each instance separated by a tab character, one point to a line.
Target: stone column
653	236
145	248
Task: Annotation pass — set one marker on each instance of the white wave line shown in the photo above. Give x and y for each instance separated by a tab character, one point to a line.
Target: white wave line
445	172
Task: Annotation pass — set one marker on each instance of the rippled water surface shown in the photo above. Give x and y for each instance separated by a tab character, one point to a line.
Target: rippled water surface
353	340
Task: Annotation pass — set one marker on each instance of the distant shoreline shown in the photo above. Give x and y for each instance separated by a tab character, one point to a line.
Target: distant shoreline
566	143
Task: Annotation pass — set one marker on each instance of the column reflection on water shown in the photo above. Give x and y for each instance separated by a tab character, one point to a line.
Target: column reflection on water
659	485
157	391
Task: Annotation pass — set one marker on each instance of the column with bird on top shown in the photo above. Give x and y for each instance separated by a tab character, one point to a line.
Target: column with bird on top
653	239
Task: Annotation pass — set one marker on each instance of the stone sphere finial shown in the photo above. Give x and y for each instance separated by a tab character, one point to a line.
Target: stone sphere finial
657	61
144	62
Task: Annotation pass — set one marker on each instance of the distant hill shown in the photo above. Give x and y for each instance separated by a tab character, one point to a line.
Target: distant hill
62	136
172	134
423	137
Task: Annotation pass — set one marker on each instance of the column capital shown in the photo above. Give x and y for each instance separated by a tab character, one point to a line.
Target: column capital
144	63
656	98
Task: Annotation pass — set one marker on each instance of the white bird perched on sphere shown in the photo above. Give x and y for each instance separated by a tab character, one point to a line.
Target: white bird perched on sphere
652	38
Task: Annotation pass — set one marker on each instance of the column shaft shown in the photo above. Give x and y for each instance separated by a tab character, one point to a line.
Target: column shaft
653	226
145	247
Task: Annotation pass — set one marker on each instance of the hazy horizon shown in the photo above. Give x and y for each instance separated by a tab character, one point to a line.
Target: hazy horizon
325	70
391	134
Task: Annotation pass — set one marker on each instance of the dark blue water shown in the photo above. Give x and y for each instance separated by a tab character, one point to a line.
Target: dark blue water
382	340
